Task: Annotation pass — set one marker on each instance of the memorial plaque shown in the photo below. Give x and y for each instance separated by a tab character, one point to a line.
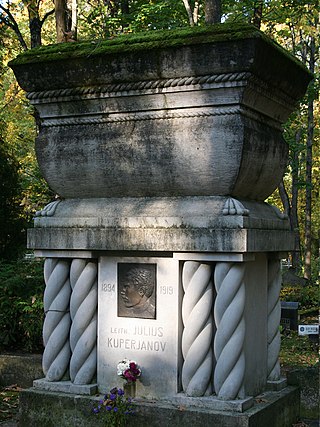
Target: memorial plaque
138	319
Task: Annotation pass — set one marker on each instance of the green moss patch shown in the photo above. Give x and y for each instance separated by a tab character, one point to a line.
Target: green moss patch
141	41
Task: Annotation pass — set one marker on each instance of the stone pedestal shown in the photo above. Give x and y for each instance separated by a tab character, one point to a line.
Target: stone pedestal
162	148
206	311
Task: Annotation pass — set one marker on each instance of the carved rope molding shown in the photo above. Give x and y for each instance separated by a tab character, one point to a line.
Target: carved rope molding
57	321
136	117
83	311
274	315
229	338
198	326
122	88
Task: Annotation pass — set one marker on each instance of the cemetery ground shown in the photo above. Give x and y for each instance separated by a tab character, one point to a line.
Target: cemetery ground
297	352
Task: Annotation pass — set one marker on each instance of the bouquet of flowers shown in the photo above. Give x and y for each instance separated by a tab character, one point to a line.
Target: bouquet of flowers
114	408
128	370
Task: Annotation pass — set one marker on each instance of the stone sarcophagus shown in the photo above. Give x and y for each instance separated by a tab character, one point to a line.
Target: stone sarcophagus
162	148
195	114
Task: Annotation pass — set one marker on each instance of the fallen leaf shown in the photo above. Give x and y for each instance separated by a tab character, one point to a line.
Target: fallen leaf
259	400
13	387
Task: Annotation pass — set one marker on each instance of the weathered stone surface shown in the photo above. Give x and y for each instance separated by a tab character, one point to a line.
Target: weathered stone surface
20	369
162	224
64	387
276	409
162	212
200	116
308	381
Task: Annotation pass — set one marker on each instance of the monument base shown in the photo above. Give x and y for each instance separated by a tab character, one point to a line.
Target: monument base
276	409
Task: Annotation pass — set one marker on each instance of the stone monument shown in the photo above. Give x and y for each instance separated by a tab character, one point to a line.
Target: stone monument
162	148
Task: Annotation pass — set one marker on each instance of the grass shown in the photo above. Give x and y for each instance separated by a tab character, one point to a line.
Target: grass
297	351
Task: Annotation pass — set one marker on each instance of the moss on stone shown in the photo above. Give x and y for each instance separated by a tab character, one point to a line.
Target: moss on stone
141	41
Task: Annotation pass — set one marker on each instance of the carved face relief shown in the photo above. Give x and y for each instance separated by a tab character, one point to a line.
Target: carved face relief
131	294
136	290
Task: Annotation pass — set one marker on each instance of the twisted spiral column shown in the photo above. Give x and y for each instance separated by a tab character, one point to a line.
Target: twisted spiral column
57	322
229	338
198	325
274	316
83	311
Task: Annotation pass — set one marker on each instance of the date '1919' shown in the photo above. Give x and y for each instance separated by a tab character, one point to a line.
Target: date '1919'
166	290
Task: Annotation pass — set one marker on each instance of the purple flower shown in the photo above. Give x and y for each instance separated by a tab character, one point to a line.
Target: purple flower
115	409
108	408
113	396
120	392
96	410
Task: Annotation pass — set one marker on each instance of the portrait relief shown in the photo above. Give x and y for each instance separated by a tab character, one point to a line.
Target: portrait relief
137	290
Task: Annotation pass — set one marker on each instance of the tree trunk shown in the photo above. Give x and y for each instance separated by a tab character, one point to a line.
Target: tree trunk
72	19
212	11
294	219
35	24
125	7
307	255
292	211
35	32
61	20
257	13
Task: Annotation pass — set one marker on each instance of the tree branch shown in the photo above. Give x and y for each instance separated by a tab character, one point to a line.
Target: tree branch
12	23
189	12
51	12
284	198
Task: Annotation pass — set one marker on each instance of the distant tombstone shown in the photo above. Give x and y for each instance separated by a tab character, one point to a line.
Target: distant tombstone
289	315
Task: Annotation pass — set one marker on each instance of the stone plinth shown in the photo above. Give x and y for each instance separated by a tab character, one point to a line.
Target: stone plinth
276	409
208	224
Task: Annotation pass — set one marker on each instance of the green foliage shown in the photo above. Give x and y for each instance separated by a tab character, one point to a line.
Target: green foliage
108	19
307	296
11	222
157	15
21	307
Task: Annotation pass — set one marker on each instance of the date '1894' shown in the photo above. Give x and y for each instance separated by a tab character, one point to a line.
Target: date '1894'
108	287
